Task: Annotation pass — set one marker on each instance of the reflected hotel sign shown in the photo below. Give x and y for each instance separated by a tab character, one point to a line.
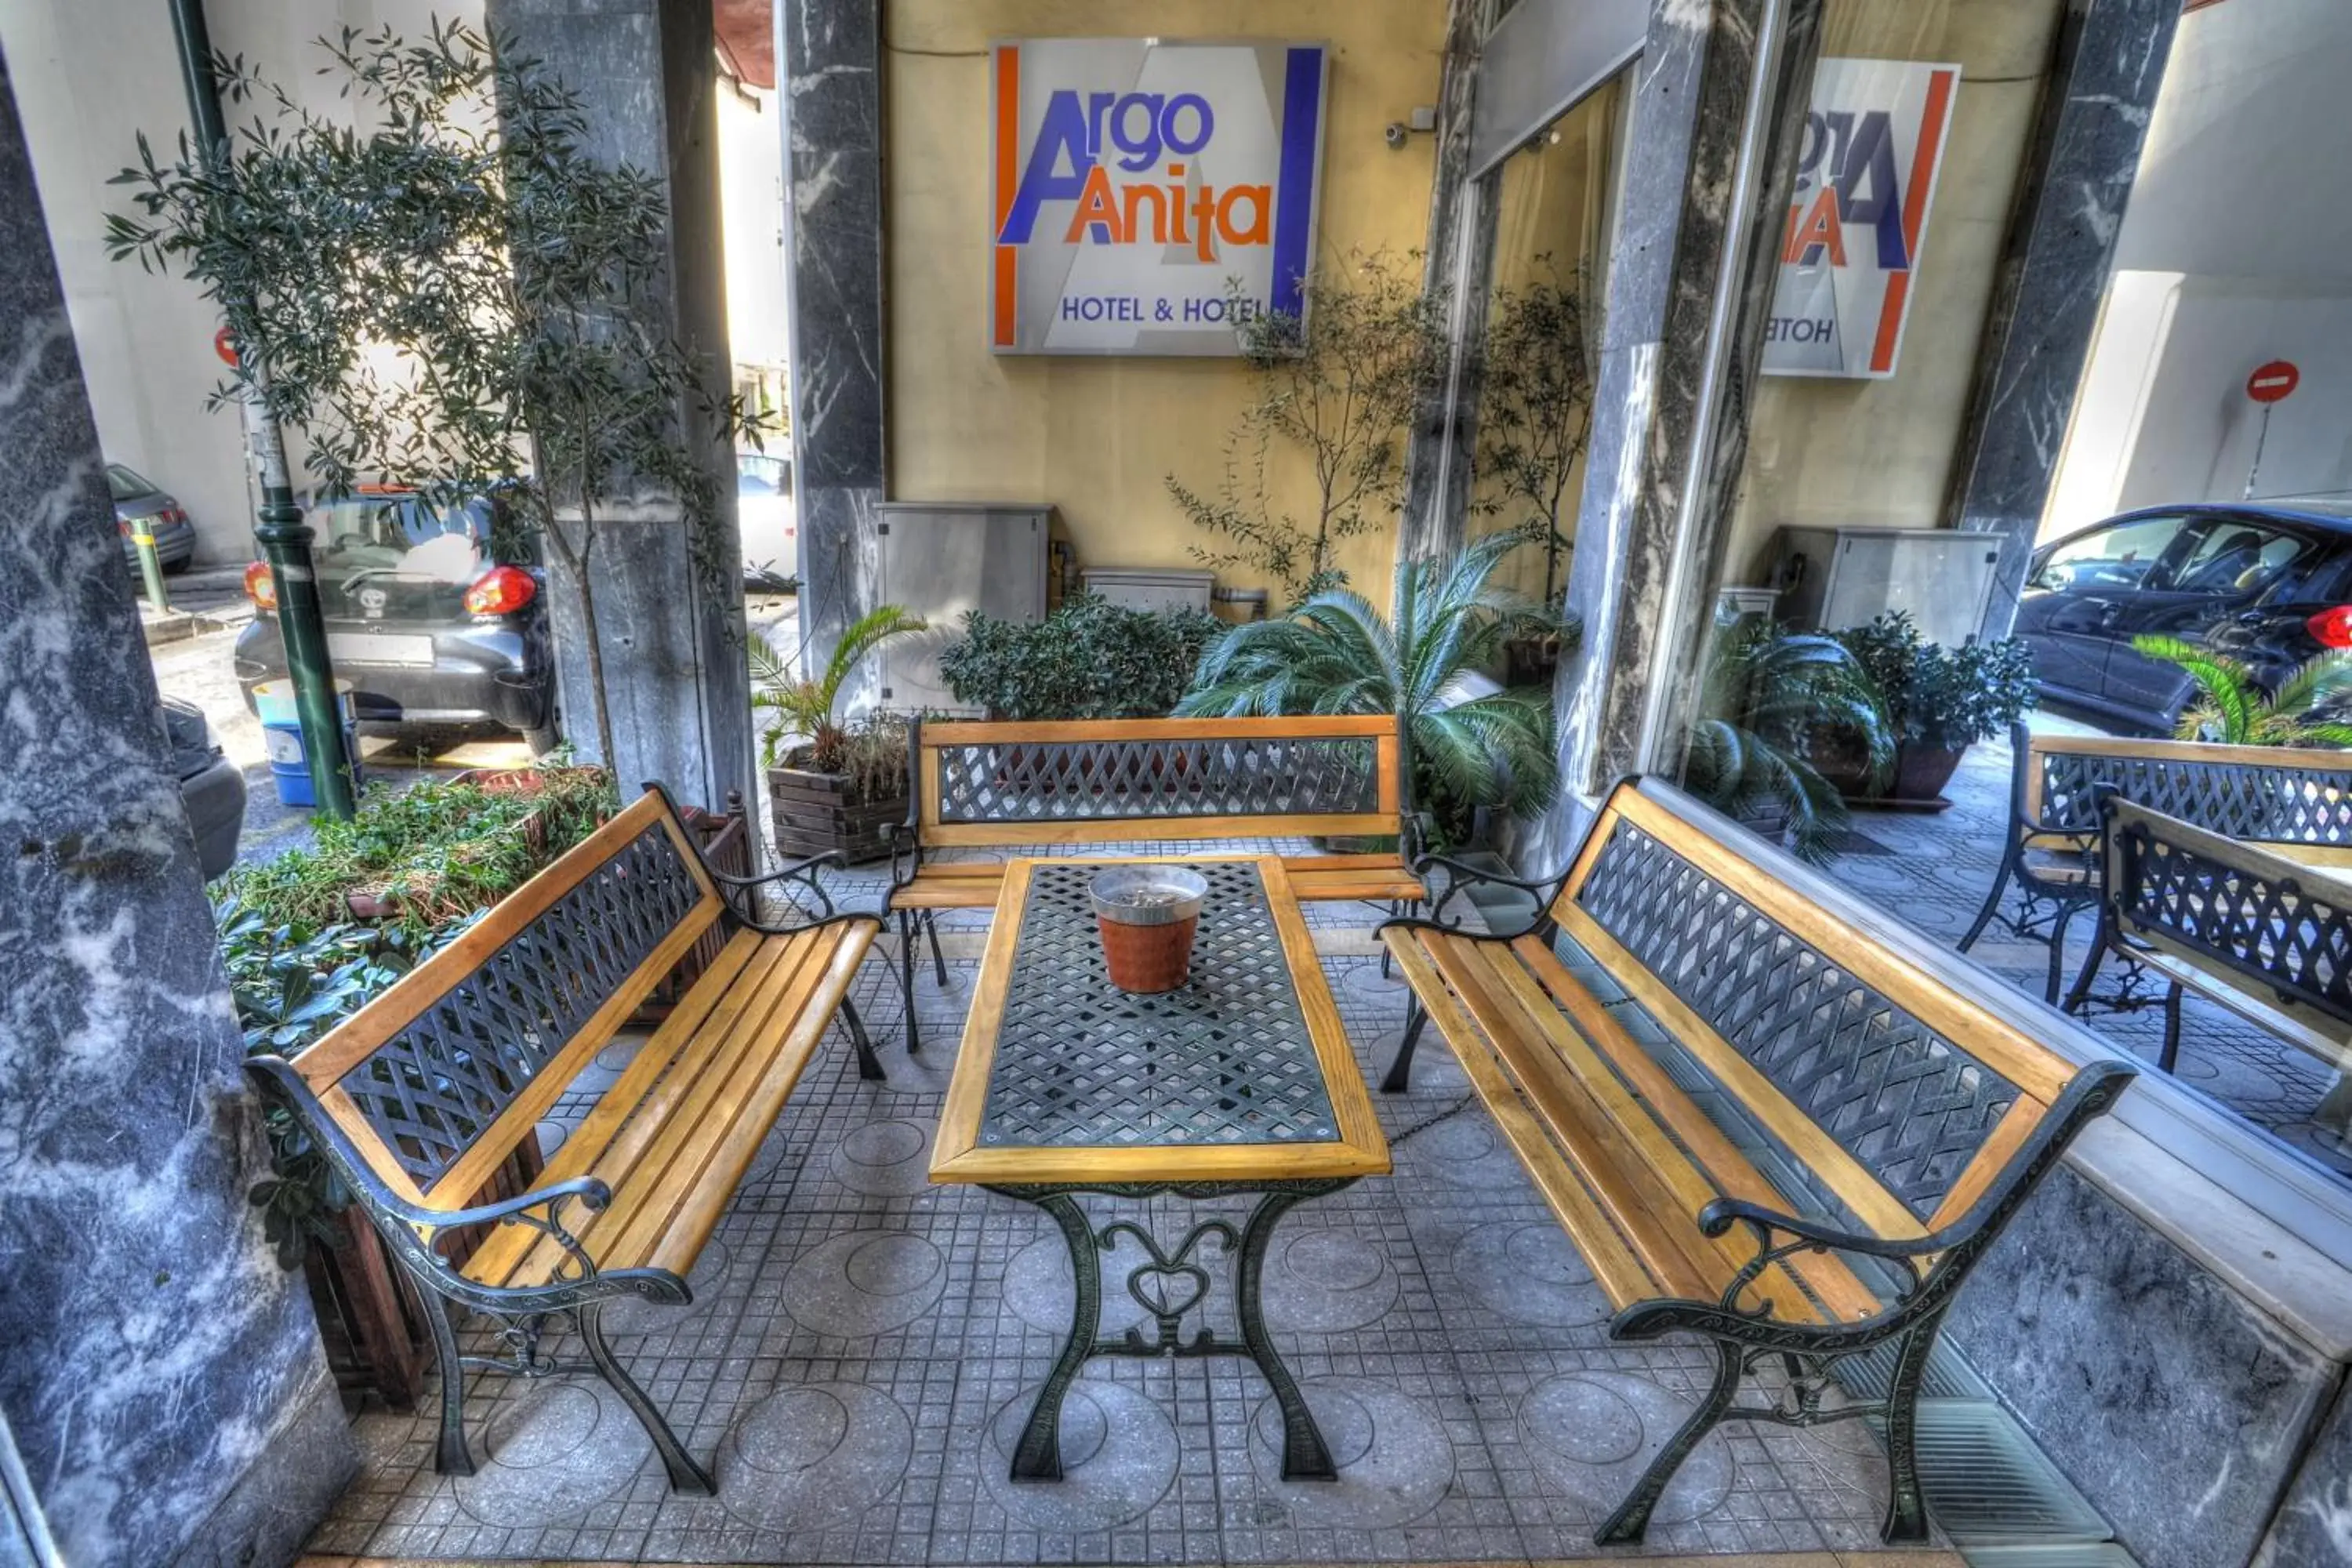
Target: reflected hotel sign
1147	194
1865	177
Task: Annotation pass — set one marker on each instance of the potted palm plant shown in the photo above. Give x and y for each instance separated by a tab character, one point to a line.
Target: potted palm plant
1766	693
831	786
2232	708
1474	747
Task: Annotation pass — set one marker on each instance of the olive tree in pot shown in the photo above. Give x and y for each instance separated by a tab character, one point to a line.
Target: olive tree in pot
1937	702
831	786
1535	416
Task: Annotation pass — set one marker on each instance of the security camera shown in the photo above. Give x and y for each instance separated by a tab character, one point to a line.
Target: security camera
1395	134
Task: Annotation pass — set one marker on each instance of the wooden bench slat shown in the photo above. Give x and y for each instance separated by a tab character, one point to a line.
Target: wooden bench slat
1693	1185
626	1116
678	1239
1621	1275
1834	1285
1606	1155
1316	878
701	1094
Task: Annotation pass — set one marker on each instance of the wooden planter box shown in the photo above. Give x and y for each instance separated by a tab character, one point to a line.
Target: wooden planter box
812	812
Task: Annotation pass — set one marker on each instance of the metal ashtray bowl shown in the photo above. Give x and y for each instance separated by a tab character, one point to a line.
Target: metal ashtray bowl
1148	895
1147	915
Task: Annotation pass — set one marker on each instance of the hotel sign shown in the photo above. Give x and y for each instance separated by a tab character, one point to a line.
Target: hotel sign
1865	178
1148	194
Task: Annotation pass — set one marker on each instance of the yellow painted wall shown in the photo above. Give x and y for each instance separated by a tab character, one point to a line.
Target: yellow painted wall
1864	453
1097	437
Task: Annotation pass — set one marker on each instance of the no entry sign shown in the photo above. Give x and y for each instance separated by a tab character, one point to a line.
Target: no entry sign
2274	381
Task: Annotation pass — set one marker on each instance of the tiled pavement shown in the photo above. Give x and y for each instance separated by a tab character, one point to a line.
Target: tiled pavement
863	1346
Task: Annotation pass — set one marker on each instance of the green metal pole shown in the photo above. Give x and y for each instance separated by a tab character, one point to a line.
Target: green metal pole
285	538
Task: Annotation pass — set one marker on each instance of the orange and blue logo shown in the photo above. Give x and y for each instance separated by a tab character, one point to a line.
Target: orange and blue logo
1148	194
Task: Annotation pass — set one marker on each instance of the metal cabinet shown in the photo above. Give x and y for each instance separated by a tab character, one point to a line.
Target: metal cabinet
939	560
1833	578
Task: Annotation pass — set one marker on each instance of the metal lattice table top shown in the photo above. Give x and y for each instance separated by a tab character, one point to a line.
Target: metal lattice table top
1228	1061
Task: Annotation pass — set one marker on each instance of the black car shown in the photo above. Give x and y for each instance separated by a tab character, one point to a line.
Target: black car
139	499
436	613
2268	584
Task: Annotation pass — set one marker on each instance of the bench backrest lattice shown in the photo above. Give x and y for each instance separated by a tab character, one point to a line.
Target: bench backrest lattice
994	783
2264	794
1911	1105
1925	1093
442	1075
2247	916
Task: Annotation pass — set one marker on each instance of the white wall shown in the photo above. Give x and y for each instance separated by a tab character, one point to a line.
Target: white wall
2237	249
90	75
752	198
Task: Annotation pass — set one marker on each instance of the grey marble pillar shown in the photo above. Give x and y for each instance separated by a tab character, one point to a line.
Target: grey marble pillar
1458	260
831	79
161	1374
669	597
2081	162
1719	98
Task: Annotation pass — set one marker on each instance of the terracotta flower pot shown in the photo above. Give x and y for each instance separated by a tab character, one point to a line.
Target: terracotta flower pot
1147	916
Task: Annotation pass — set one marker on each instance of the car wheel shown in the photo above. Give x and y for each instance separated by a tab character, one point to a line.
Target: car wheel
543	739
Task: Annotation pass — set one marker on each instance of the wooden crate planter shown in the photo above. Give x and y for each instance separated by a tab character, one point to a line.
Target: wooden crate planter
811	812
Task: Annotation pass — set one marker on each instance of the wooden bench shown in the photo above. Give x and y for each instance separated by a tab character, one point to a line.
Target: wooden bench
2264	933
2260	794
1759	1122
981	786
426	1090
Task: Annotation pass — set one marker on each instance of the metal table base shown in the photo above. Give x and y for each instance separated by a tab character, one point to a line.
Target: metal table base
1168	1285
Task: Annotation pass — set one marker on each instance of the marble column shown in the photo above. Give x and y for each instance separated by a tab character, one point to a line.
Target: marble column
831	80
1719	98
669	595
2081	162
1457	261
162	1375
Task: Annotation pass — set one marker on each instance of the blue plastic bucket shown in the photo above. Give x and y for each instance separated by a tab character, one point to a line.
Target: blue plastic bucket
281	738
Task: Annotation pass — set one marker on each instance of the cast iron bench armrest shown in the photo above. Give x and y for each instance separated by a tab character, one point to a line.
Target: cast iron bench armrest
803	871
1460	876
401	1219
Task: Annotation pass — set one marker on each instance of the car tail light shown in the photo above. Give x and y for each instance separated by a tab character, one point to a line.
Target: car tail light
122	526
2332	628
261	586
174	516
500	591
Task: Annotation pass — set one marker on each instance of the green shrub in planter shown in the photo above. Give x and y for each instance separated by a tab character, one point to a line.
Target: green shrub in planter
1089	660
1944	697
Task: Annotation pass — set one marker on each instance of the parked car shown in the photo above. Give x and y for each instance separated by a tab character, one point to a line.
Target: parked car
210	784
2268	584
136	496
766	516
435	614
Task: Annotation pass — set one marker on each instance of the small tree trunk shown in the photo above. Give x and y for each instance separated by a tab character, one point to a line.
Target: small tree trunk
597	697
